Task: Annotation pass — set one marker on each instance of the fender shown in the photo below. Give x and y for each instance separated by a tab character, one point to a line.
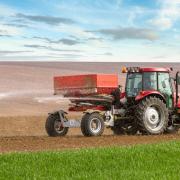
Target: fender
123	95
90	111
144	94
61	113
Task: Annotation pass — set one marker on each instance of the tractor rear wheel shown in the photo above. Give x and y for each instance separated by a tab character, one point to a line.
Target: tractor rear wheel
92	124
54	126
152	116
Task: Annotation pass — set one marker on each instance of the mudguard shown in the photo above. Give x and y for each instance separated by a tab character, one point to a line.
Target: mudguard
61	114
144	94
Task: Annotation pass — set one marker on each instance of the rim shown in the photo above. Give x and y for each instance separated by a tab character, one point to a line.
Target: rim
95	125
154	118
58	126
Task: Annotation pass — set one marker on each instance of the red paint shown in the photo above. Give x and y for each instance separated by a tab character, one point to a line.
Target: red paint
85	108
84	85
178	104
155	70
123	95
143	94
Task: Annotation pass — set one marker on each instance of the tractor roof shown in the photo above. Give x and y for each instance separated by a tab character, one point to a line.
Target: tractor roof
143	69
154	70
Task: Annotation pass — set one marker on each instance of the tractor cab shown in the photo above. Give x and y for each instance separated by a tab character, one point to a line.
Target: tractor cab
142	82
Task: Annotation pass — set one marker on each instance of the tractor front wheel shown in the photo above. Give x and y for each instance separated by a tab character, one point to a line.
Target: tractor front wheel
152	116
92	124
54	126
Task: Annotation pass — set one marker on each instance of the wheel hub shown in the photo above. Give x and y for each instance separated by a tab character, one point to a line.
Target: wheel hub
95	125
58	126
152	117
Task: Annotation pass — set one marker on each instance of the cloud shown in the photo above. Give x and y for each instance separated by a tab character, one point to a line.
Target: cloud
66	41
7	30
6	10
168	14
50	20
95	39
2	35
12	52
35	46
17	25
69	41
129	33
71	55
108	54
50	48
3	32
162	23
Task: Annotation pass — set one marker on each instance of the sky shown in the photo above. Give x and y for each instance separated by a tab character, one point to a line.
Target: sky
90	30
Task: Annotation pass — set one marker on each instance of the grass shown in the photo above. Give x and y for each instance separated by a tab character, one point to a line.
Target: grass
156	161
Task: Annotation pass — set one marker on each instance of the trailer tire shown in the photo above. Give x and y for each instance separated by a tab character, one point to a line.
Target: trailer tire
87	123
53	127
152	116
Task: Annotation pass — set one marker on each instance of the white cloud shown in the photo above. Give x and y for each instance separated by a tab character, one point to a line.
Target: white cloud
6	30
134	12
162	22
6	10
168	14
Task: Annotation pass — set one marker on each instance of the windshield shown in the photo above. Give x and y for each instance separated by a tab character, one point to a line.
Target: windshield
133	84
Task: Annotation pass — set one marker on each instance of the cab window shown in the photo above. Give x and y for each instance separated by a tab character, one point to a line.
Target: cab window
164	83
133	84
150	81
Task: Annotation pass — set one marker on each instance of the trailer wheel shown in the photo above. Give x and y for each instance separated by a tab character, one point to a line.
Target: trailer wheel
54	126
152	116
92	124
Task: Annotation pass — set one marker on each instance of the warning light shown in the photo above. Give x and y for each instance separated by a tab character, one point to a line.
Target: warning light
133	69
124	70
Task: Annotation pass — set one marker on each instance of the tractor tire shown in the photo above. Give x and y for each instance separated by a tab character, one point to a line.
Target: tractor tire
125	129
152	116
53	126
87	122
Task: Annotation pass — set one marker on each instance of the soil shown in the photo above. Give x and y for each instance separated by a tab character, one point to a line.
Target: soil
28	134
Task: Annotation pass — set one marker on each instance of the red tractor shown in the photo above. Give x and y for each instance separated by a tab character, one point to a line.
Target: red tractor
149	105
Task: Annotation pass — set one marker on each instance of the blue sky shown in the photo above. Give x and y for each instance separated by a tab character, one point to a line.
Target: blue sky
90	30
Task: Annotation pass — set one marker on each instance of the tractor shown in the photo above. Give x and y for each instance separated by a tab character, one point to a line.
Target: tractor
149	105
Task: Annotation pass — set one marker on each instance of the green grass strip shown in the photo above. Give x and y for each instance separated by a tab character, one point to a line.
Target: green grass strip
156	161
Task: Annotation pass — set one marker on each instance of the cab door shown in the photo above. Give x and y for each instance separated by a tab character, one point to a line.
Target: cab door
164	86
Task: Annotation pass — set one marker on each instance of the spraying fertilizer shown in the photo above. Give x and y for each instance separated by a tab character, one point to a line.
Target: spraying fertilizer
21	93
